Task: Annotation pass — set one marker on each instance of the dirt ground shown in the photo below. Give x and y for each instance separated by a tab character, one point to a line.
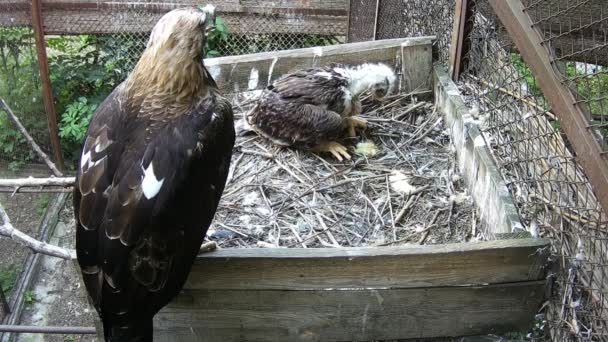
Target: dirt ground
57	298
26	212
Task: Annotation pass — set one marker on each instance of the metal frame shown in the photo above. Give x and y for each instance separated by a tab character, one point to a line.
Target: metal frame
47	89
536	54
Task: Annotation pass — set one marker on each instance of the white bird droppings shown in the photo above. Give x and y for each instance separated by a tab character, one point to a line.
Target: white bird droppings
84	160
254	77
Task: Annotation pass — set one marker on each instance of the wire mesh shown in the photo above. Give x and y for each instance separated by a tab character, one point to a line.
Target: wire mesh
578	33
553	195
407	18
19	86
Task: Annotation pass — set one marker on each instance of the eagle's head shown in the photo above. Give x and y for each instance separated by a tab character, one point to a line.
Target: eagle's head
378	78
171	67
181	33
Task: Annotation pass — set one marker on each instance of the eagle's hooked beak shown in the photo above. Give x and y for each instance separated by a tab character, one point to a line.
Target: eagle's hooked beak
209	21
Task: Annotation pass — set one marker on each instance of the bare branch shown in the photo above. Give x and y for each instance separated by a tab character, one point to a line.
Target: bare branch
7	230
29	138
37	182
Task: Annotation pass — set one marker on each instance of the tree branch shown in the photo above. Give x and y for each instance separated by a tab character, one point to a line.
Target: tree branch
51	184
38	182
7	230
29	138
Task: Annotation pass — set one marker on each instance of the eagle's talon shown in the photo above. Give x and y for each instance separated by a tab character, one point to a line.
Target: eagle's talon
355	122
336	149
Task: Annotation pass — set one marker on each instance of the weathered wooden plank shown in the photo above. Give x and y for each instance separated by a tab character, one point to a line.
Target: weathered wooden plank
417	66
487	262
256	71
475	162
347	315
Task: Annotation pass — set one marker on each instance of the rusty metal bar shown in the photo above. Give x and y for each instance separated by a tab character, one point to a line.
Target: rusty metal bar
47	90
6	307
461	43
529	42
47	330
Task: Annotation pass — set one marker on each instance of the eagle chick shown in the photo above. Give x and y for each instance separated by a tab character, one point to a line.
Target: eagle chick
152	171
314	108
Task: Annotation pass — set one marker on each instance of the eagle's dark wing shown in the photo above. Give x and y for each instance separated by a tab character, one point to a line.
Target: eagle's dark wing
146	191
293	123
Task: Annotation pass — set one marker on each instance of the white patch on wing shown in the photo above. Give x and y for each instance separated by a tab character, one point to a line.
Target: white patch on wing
254	77
324	74
214	116
150	184
84	160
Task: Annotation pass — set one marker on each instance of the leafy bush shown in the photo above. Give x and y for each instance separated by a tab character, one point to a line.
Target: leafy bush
19	86
218	37
74	123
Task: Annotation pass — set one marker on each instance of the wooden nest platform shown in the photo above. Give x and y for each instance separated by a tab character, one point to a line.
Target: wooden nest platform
415	237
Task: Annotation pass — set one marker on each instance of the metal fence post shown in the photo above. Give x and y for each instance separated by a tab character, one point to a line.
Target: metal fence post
47	90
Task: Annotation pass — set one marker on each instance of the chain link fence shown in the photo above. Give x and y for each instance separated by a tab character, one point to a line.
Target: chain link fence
19	86
554	197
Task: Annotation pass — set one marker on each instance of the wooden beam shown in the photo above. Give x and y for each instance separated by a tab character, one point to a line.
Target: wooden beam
417	65
45	79
528	40
489	262
464	15
355	314
345	294
256	71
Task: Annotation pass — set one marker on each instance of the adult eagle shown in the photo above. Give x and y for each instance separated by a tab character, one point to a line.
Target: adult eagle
152	171
314	108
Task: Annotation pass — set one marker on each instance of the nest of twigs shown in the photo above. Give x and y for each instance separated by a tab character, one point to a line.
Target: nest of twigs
401	187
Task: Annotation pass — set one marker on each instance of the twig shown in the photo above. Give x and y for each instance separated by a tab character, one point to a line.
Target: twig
424	134
29	138
407	206
7	230
257	153
390	207
409	110
327	231
428	228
